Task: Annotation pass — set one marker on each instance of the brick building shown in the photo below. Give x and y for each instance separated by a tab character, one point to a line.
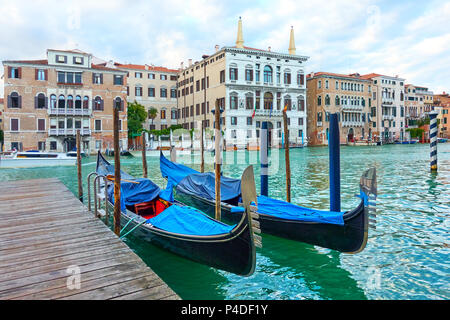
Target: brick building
47	101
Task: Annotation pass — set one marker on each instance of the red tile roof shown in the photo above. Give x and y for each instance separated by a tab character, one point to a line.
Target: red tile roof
43	62
352	76
371	75
143	67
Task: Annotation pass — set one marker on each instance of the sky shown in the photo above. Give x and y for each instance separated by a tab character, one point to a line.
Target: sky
410	39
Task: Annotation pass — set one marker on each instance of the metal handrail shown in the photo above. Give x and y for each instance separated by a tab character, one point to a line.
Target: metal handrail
96	181
89	188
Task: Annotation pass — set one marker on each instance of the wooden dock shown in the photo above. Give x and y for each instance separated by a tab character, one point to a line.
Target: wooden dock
46	233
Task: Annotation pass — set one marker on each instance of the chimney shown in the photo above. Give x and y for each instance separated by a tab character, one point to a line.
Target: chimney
269	48
292	42
240	37
190	62
182	65
146	67
216	47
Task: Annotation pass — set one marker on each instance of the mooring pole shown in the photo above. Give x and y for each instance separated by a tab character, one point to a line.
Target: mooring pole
144	156
286	156
264	160
217	158
116	171
80	180
433	140
334	166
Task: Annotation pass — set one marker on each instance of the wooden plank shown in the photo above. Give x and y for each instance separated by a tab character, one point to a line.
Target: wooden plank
45	230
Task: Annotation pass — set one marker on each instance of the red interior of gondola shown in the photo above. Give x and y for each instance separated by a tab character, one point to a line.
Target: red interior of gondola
150	209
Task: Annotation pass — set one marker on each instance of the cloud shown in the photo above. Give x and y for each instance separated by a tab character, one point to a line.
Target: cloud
408	38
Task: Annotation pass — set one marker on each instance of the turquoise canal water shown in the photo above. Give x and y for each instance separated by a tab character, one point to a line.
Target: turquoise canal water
407	256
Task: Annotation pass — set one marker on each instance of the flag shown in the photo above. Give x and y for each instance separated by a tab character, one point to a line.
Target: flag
254	111
285	107
271	107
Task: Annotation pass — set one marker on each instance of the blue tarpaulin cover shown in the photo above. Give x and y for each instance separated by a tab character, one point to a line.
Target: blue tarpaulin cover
188	220
191	182
132	193
203	185
286	210
174	171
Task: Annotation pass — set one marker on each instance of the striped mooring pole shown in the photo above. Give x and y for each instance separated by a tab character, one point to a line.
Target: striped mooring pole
264	161
433	141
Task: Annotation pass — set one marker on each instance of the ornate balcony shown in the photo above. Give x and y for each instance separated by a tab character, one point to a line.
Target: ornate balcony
69	112
69	132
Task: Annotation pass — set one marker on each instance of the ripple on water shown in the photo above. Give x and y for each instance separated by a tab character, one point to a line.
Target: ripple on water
406	256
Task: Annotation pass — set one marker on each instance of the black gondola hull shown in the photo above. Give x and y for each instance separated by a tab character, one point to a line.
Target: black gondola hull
232	252
349	238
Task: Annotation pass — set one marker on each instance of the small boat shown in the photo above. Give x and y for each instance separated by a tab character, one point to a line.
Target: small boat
442	140
181	229
342	231
73	153
35	158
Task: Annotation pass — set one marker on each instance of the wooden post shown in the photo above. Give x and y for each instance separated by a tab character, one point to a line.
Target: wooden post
286	155
116	171
144	156
202	151
335	164
217	158
80	180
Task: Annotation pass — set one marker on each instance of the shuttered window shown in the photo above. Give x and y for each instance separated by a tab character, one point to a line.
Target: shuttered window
14	124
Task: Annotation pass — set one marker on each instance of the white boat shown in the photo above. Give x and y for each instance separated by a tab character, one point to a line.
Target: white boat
30	159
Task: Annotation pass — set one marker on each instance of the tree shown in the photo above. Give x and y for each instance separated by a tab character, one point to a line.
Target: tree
152	113
136	117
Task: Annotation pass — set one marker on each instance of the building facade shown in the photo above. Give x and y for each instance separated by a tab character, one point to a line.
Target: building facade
388	107
418	103
441	103
47	101
252	86
153	87
347	95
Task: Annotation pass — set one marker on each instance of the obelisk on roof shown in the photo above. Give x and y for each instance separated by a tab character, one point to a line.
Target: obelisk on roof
240	37
292	42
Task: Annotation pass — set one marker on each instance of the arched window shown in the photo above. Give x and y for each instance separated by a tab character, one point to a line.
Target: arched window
163	113
98	103
287	76
69	101
249	101
248	72
53	101
268	74
287	103
86	102
268	100
327	100
77	102
336	100
40	101
118	103
61	102
363	102
319	100
233	100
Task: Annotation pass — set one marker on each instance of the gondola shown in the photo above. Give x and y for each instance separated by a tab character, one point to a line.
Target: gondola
156	217
342	231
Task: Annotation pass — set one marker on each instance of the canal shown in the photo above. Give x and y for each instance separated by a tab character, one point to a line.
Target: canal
406	256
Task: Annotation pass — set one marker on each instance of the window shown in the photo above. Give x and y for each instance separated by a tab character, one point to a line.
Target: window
249	102
173	114
163	113
326	84
327	100
173	93
97	78
267	74
118	80
301	103
53	101
288	102
86	102
14	124
233	102
41	145
118	103
163	76
249	121
138	74
138	91
233	74
40	75
41	124
61	102
14	100
98	125
69	77
151	92
151	76
41	101
78	60
14	73
222	76
233	121
61	59
53	145
69	101
249	74
300	121
98	103
300	79
319	84
319	100
163	93
61	77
